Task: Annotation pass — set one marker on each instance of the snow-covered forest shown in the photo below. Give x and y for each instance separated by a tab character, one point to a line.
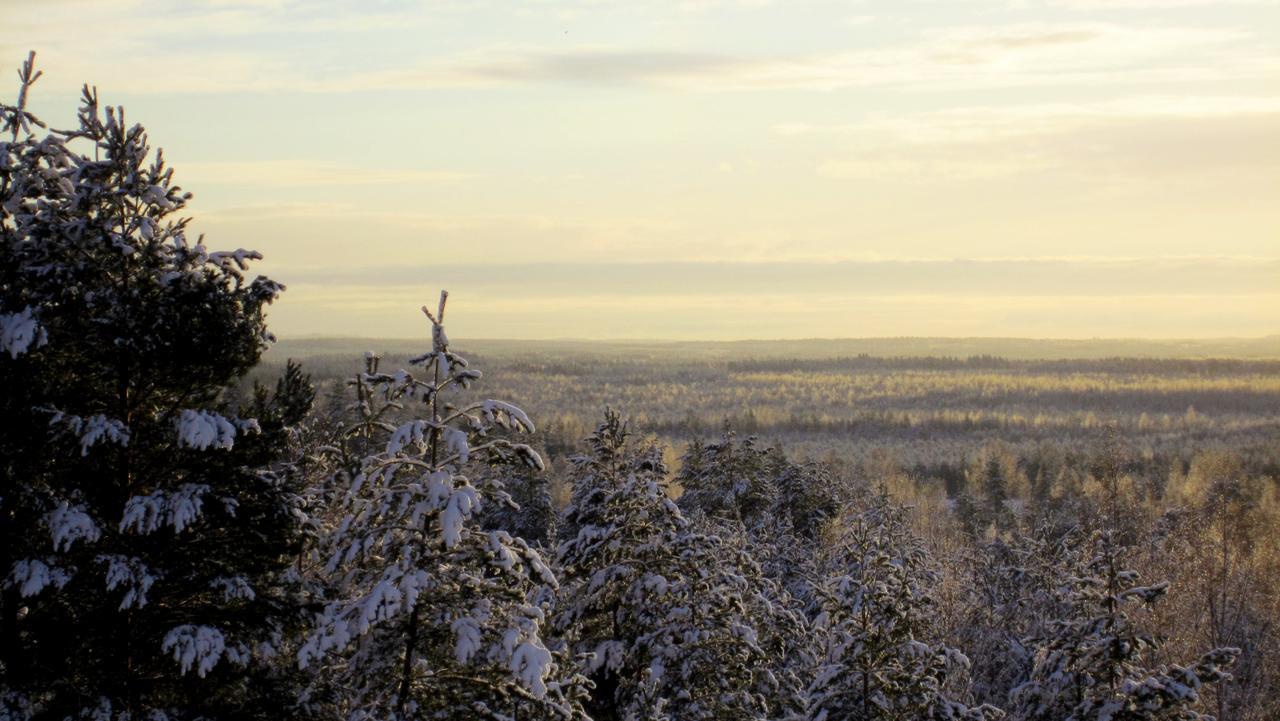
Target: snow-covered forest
396	541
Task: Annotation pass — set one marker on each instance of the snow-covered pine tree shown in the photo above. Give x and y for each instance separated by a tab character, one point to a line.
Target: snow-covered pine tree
879	664
783	628
808	497
521	504
1011	596
969	516
729	478
660	612
1093	666
431	615
145	535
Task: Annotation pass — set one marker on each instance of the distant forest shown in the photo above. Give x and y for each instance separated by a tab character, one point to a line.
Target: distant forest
1267	348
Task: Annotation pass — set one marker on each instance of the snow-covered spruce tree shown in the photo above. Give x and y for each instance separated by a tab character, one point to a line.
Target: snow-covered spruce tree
808	496
729	478
521	505
432	616
879	664
660	612
1093	665
778	506
783	629
145	535
1011	596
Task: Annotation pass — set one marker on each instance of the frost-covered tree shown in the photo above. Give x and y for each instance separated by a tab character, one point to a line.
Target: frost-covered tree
778	613
521	504
661	613
1011	595
729	478
431	615
773	505
879	662
1094	664
146	527
808	497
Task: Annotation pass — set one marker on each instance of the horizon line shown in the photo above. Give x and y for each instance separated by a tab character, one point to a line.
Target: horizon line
571	339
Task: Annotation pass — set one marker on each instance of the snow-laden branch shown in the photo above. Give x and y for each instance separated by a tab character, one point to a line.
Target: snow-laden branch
20	332
201	429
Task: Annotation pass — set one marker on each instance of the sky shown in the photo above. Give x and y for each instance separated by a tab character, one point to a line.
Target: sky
711	170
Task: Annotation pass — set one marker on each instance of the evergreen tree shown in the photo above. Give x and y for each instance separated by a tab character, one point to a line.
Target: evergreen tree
879	662
1011	596
430	615
520	504
1092	666
782	594
969	514
808	498
995	490
661	611
729	478
146	525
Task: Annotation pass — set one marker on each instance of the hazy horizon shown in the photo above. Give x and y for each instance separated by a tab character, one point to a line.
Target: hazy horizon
347	351
798	339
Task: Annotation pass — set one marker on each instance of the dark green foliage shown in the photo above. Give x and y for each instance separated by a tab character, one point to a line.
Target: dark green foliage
146	527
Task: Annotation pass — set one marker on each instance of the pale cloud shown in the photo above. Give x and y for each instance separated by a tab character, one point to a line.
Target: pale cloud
584	66
115	45
131	23
1154	4
326	212
940	59
310	236
1139	138
1016	56
308	174
992	122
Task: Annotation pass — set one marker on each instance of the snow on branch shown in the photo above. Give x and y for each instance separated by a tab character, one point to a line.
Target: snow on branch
179	509
239	258
20	332
457	445
233	588
131	574
31	576
200	429
412	433
198	646
506	415
93	429
531	662
68	524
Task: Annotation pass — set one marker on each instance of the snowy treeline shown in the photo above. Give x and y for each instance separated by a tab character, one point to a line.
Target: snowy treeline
173	549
